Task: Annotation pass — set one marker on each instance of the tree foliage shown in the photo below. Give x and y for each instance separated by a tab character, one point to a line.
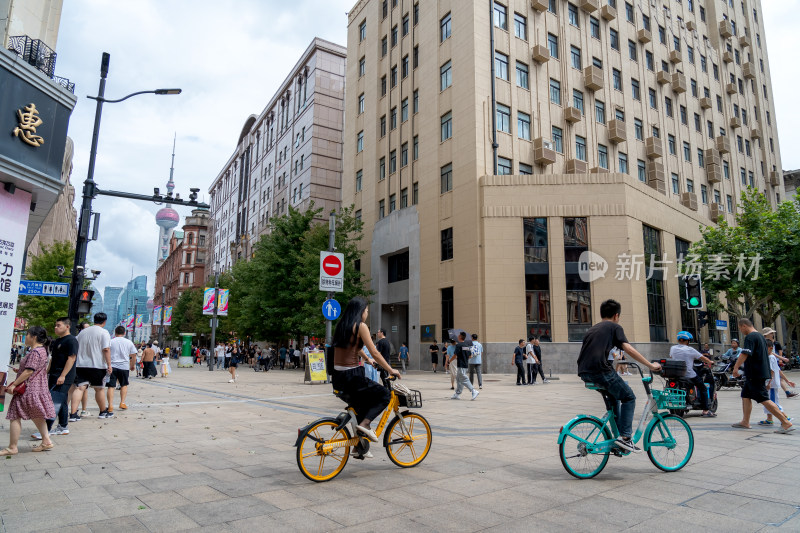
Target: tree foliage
275	295
45	310
772	236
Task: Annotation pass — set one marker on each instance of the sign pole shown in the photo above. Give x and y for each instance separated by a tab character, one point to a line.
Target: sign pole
212	353
331	248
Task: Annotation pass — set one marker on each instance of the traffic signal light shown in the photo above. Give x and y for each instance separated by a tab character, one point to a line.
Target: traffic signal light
702	319
694	291
85	301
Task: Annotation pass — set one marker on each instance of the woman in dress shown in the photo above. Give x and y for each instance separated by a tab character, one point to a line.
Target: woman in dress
35	403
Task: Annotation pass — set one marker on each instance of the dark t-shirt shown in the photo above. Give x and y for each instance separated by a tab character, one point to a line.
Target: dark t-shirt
61	349
756	366
384	348
463	353
598	341
434	348
519	355
777	348
537	351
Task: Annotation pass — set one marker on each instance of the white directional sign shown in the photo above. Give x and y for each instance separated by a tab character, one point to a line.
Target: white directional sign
331	272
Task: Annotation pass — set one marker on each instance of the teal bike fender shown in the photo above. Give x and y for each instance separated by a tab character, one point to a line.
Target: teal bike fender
565	427
646	442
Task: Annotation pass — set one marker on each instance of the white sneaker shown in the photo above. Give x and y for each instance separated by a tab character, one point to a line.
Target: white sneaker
367	455
368	433
84	413
475	394
455	397
231	381
60	431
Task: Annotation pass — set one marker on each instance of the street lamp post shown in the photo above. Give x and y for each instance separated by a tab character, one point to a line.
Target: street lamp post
161	326
90	190
213	352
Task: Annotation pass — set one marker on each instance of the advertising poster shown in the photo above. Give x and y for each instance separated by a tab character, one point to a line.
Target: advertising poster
14	209
139	321
128	322
316	362
168	315
157	315
222	301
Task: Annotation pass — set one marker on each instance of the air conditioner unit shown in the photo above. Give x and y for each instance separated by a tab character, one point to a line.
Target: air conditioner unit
548	144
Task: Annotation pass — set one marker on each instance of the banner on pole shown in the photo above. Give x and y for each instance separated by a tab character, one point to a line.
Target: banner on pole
168	315
222	301
128	322
139	321
157	315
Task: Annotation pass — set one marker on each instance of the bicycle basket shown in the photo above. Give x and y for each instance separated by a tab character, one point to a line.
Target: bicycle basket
407	397
670	398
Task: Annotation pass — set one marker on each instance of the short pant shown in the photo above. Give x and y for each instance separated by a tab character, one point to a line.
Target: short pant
755	390
117	374
89	376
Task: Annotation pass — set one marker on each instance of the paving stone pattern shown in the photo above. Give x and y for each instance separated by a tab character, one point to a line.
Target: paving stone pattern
194	452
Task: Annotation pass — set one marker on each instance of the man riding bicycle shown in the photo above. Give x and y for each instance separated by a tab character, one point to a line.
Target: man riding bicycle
594	367
683	352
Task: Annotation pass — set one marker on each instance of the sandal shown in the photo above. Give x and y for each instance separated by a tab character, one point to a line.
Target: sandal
709	415
7	452
43	447
739	426
766	423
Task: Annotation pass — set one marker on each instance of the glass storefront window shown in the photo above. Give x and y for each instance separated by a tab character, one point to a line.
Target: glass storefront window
535	240
579	296
537	306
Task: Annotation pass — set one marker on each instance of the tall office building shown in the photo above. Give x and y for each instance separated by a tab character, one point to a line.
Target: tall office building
111	306
289	155
489	146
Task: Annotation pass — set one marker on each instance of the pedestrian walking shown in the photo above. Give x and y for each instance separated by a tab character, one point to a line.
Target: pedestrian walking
530	362
60	376
34	401
93	365
233	364
476	361
755	361
282	356
383	345
403	356
452	367
769	334
434	351
463	351
537	351
518	361
149	362
123	355
774	386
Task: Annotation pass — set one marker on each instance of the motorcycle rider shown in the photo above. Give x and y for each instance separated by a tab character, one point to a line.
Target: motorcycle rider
683	352
733	352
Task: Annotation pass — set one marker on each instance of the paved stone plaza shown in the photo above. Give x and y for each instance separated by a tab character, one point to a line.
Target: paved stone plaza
195	452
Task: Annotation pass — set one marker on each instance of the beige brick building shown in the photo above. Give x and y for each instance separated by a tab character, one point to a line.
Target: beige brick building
620	127
288	155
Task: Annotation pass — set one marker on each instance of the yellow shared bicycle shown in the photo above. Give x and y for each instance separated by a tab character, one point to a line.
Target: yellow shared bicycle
325	445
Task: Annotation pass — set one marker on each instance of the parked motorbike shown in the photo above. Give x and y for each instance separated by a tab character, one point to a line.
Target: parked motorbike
674	372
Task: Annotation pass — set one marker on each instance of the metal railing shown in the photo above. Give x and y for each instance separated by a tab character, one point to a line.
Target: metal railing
40	56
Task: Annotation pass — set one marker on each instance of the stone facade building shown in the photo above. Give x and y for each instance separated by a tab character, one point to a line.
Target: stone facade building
185	266
288	156
489	148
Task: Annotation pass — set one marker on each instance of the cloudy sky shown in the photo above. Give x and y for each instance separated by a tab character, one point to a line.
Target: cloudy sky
229	57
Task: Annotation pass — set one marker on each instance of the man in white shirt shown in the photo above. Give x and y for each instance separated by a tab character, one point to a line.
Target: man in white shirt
92	365
475	361
683	352
219	354
123	357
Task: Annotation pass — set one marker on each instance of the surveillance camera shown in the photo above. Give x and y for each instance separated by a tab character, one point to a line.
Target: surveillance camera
155	191
79	269
95	273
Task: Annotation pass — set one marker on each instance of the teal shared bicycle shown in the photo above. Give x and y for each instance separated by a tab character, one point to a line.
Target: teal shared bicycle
586	442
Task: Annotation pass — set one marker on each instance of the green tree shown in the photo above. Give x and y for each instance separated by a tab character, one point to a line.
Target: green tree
187	315
276	294
45	310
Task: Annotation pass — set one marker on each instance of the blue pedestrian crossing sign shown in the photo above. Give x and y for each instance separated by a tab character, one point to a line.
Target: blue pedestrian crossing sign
331	309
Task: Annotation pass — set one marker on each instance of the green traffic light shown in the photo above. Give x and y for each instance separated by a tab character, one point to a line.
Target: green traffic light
694	301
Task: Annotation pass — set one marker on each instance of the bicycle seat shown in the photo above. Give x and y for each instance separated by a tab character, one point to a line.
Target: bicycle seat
593	386
342	396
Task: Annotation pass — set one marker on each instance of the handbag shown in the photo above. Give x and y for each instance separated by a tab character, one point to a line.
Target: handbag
20	389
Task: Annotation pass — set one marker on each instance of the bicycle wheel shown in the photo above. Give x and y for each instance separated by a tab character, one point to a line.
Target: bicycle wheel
573	449
670	443
316	462
409	447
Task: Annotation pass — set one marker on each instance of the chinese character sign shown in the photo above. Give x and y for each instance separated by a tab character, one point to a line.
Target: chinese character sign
28	122
14	209
222	301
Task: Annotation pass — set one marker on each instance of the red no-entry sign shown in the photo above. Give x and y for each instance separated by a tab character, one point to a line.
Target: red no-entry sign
331	272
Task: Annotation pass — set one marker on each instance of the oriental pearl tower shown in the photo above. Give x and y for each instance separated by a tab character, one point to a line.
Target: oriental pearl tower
167	218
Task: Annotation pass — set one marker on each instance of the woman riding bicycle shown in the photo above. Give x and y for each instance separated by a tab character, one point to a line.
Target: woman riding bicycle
365	396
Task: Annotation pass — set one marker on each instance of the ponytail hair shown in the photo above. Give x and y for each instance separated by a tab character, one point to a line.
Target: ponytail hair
40	334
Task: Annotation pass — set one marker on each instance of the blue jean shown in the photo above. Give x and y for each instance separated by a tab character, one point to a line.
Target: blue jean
61	408
616	387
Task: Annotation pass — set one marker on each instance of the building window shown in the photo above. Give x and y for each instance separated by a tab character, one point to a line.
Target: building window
651	95
404	110
394	36
382	169
404	198
642	170
558	139
655	286
671	144
520	27
448	308
404	154
392	203
447	244
362	67
398	267
676	185
600	112
444	28
381	209
602	156
503	118
447	126
416	101
580	147
552	45
383	126
575	57
623	162
555	91
537	285
393	119
632	50
360	103
687	152
613	38
729	201
522	75
384	46
594	27
504	166
635	89
501	65
523	126
383	86
358	180
392	161
577	100
446	178
579	310
445	76
616	76
415	154
360	142
404	67
525	169
629	15
500	16
362	31
572	11
405	24
393	76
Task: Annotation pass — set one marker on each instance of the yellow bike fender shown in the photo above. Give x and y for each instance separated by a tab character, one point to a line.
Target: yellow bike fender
303	431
